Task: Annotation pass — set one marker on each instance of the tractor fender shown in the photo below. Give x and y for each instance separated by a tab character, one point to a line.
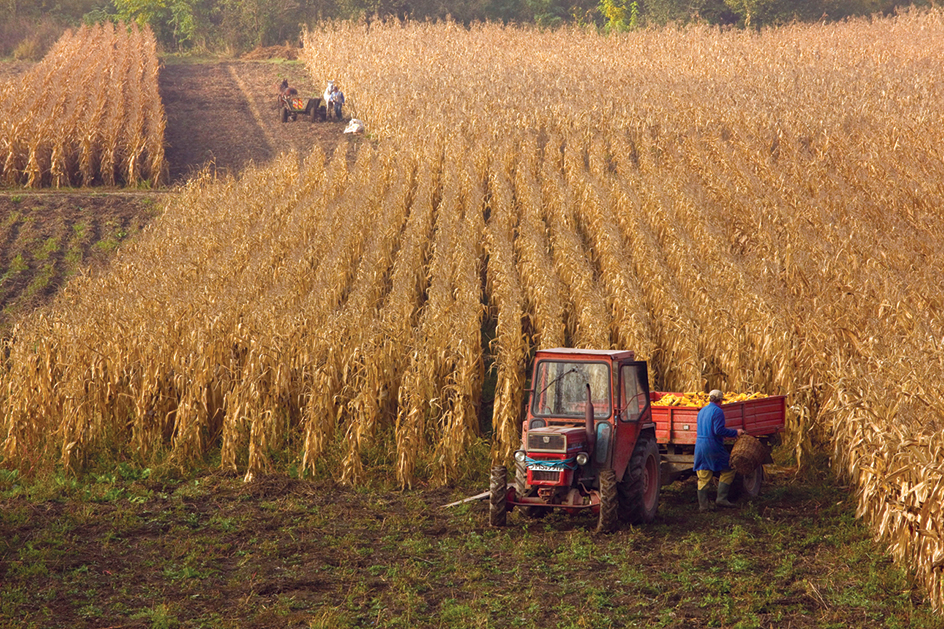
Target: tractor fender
627	434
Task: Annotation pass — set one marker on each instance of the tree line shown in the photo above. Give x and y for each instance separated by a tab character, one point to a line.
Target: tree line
236	26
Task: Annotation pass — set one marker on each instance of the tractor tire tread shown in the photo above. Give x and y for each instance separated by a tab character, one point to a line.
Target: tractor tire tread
497	491
609	502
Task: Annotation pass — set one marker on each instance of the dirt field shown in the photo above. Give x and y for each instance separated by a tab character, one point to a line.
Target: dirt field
123	550
225	115
47	237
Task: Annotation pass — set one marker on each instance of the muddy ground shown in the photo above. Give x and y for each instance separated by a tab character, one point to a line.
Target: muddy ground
122	550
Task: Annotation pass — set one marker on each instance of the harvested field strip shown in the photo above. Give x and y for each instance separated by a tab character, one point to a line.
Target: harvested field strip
46	239
256	114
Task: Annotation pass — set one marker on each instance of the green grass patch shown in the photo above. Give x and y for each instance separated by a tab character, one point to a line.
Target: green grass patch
17	265
211	550
48	248
42	279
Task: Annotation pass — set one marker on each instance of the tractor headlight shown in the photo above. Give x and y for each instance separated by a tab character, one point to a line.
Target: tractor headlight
520	456
583	458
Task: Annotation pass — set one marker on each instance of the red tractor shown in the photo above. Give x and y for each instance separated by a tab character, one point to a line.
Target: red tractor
592	440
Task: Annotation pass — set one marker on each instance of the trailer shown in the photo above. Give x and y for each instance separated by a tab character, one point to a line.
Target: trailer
676	429
291	105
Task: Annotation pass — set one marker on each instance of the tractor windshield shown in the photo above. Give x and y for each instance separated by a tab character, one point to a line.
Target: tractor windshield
560	389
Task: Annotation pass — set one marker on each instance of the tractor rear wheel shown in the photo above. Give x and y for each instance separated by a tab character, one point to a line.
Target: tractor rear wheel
284	114
497	505
639	489
609	502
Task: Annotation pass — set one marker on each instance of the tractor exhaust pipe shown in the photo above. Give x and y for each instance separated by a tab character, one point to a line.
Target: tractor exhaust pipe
588	422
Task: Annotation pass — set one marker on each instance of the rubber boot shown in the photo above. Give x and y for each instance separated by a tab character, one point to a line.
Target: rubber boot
722	501
703	503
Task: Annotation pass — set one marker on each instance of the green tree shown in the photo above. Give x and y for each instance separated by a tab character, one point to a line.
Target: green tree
659	12
141	11
251	23
173	21
620	16
748	10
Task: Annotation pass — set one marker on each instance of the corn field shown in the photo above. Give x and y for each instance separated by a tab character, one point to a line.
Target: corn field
747	211
88	114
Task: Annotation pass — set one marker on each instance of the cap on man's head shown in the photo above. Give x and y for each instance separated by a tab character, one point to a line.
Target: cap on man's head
715	396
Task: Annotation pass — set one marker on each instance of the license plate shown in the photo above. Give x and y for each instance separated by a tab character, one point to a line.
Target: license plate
543	468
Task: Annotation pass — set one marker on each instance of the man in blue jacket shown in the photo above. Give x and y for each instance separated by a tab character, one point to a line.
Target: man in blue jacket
710	455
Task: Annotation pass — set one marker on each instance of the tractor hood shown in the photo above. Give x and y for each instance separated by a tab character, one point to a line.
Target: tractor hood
564	440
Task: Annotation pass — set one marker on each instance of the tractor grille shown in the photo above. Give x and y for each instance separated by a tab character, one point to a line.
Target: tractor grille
552	477
539	442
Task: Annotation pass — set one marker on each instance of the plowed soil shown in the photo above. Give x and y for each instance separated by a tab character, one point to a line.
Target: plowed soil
225	116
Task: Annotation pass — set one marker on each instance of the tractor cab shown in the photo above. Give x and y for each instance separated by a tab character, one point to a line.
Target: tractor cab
588	411
596	390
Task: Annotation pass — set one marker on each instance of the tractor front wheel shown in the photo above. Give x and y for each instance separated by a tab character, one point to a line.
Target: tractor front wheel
639	489
521	489
609	502
497	504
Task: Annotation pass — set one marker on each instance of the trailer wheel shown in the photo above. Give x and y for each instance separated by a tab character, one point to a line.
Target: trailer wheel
609	502
747	485
284	114
521	489
497	505
314	113
639	489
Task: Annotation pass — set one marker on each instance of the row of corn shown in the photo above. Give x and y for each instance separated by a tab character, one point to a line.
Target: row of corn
88	114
